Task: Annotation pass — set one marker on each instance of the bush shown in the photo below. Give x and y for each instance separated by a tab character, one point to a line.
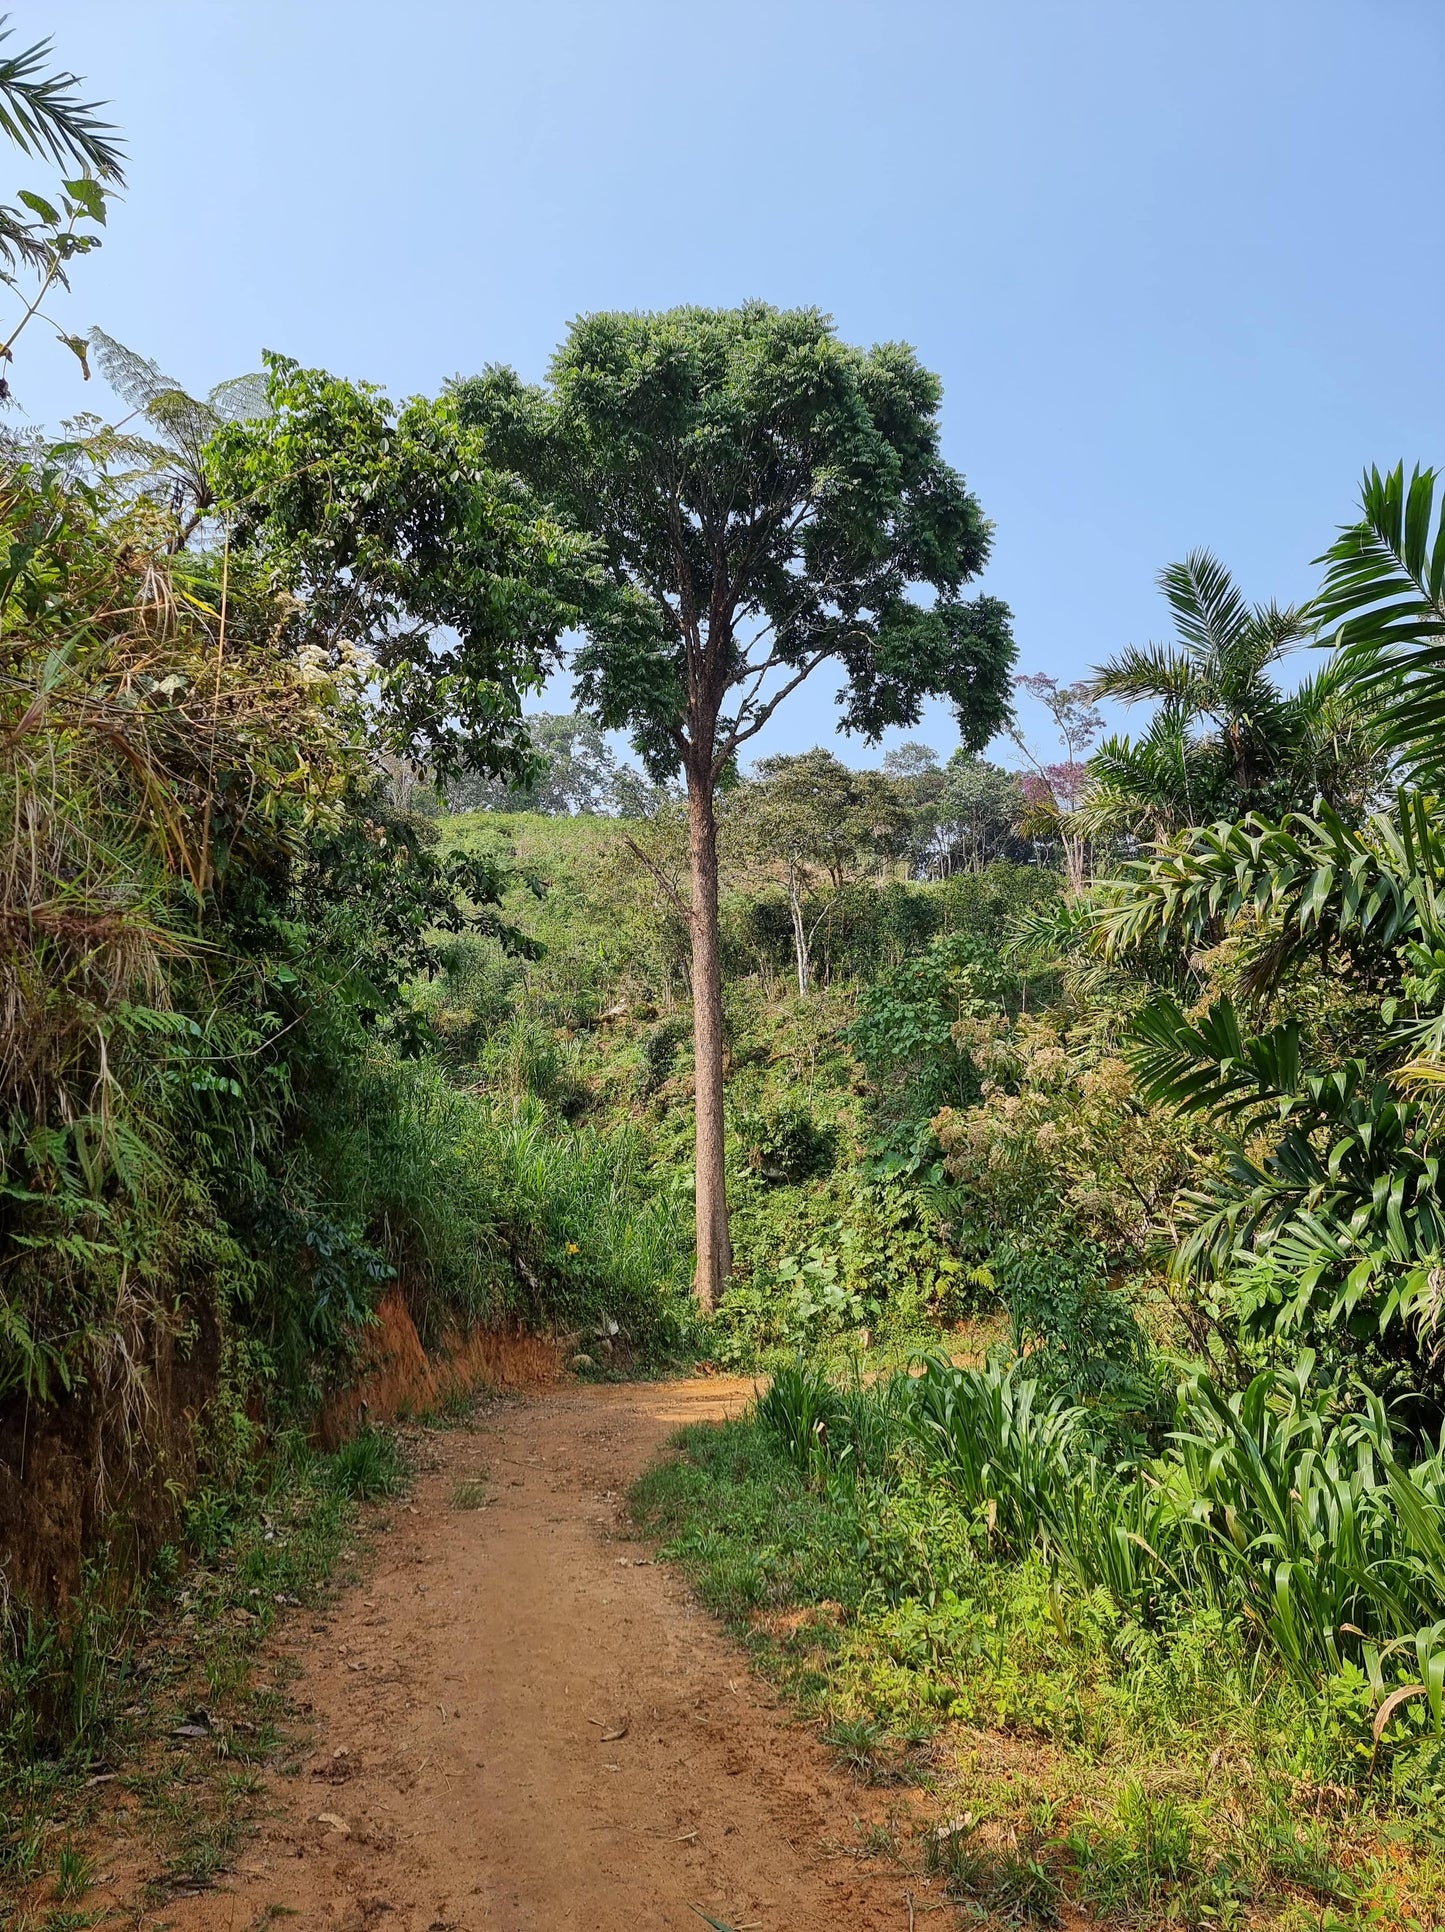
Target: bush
1272	1507
1081	1337
787	1144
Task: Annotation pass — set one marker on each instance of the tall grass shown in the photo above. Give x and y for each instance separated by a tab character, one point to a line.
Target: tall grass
589	1230
834	1429
1304	1525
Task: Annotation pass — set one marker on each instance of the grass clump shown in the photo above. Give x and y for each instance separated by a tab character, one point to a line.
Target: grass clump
369	1465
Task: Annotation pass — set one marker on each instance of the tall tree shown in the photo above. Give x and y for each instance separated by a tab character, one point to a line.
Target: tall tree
976	815
768	499
576	772
1054	789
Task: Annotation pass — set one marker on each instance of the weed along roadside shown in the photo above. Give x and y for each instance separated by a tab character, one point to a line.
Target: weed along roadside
149	1724
1123	1722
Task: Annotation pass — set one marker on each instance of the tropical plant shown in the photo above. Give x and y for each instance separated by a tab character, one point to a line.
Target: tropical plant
1054	789
1384	593
1302	885
391	531
1214	675
802	1408
174	469
43	114
1329	1198
1152	785
1000	1439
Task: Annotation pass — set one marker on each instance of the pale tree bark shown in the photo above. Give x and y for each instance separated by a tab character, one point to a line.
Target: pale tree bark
1075	858
800	931
714	1244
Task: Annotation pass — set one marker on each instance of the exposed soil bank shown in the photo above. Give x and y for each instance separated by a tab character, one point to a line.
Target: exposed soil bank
95	1476
521	1722
396	1376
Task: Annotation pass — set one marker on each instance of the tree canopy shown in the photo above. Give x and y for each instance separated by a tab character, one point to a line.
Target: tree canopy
391	530
766	498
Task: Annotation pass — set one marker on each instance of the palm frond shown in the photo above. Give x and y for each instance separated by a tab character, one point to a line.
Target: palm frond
43	113
1314	878
1280	626
1211	1066
23	240
1209	608
1149	671
1385	590
1346	1193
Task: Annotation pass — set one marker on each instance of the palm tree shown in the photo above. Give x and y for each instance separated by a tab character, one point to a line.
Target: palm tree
1224	730
1148	787
1332	748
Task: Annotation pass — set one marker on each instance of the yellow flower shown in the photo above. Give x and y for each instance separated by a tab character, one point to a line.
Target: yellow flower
573	1248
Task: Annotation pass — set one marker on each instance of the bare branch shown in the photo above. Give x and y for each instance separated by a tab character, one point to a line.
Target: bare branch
679	904
739	734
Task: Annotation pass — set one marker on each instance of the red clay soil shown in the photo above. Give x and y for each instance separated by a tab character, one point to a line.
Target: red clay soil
521	1722
397	1376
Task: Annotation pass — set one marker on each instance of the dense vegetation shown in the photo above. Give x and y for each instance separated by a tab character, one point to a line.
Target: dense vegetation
1186	1524
229	1127
1063	1140
1161	1149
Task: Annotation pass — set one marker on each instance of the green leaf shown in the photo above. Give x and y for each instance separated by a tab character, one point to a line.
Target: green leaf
90	195
80	349
40	206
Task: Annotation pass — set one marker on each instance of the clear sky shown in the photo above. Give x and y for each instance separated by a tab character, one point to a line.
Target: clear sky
1179	265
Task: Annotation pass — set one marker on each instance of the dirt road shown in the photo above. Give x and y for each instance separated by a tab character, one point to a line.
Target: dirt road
521	1722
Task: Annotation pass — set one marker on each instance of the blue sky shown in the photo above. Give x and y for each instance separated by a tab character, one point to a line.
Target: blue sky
1178	265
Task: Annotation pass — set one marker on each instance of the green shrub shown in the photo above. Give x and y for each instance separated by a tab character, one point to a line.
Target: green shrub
787	1144
1081	1337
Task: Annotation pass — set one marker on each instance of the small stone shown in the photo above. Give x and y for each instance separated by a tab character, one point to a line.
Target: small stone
582	1362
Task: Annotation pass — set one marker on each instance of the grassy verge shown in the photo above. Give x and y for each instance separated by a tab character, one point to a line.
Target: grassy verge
1165	1776
151	1724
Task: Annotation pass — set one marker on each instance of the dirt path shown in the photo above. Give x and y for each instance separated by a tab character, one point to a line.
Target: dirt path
520	1722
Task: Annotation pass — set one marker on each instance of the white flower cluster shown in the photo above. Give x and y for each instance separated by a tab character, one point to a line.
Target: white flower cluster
348	664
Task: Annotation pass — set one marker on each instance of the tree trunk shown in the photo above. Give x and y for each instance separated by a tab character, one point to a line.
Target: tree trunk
714	1247
800	934
1074	867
